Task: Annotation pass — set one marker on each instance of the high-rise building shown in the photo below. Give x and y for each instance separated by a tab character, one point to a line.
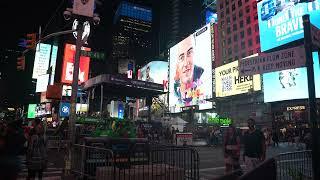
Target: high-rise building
238	30
132	37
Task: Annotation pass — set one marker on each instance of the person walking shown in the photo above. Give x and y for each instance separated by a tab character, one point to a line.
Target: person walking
36	154
231	150
254	146
275	139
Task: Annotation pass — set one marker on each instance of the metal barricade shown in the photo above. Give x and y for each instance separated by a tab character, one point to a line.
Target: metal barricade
294	165
89	162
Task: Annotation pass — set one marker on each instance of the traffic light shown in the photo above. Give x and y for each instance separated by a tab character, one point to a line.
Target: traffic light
31	41
21	63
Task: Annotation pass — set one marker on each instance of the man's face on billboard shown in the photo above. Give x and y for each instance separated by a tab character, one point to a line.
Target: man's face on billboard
185	60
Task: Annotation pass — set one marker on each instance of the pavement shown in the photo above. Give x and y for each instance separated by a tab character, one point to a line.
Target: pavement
212	160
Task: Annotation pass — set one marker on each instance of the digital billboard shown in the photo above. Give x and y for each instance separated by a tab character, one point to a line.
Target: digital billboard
156	72
228	81
68	59
31	111
42	59
280	21
42	83
290	84
190	69
211	17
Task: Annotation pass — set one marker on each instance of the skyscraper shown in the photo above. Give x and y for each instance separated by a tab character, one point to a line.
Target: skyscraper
238	29
132	37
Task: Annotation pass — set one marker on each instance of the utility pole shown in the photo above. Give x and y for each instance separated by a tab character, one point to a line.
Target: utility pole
312	97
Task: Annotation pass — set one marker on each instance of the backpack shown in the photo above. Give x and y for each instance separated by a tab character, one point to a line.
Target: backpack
36	154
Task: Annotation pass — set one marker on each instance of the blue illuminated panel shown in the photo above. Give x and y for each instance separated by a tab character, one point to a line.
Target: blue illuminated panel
135	11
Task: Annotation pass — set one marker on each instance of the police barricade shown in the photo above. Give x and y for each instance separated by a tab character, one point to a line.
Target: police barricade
294	165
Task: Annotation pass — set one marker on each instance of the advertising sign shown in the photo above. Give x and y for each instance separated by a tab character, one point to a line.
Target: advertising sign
31	111
42	83
290	84
280	21
190	69
41	60
228	81
275	61
315	36
156	72
64	109
184	139
68	60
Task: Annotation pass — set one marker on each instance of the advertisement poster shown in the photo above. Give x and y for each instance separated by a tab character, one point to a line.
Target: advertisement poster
31	111
42	83
184	139
41	60
228	81
67	69
190	69
156	72
290	84
280	21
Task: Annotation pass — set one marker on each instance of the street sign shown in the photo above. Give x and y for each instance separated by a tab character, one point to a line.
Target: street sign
64	109
276	61
93	55
315	36
83	7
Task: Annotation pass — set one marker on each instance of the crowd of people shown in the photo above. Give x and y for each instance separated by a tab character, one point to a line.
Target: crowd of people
16	141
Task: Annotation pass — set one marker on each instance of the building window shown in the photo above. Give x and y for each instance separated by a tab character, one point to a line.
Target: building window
236	48
233	7
249	31
221	6
223	43
250	42
248	20
241	24
254	5
243	45
248	9
255	16
240	3
235	37
227	11
250	52
227	2
228	30
234	17
222	14
240	13
229	51
242	34
228	20
256	28
246	0
243	55
257	39
229	40
234	27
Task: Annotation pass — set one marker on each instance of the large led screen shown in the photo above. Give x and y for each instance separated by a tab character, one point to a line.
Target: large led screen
228	81
280	21
68	60
156	72
42	58
190	70
290	84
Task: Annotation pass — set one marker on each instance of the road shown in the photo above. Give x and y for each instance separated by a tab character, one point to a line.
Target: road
212	162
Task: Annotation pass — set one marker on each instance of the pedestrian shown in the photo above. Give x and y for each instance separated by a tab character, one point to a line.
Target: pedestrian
254	146
36	153
231	150
275	139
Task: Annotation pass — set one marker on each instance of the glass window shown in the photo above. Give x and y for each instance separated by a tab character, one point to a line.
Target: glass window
250	42
222	14
228	30
236	48
243	45
254	5
241	24
256	27
248	9
235	37
227	2
242	34
249	31
234	17
227	11
229	40
229	51
240	3
233	7
240	13
234	27
248	20
228	20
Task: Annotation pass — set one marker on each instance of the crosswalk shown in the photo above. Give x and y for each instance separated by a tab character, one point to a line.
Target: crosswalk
51	173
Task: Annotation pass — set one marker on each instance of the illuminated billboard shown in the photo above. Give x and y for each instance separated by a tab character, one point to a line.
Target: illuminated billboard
280	21
156	72
290	84
67	69
42	59
228	81
190	81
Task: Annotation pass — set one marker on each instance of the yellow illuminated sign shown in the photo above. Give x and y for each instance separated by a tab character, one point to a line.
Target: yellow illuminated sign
228	81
